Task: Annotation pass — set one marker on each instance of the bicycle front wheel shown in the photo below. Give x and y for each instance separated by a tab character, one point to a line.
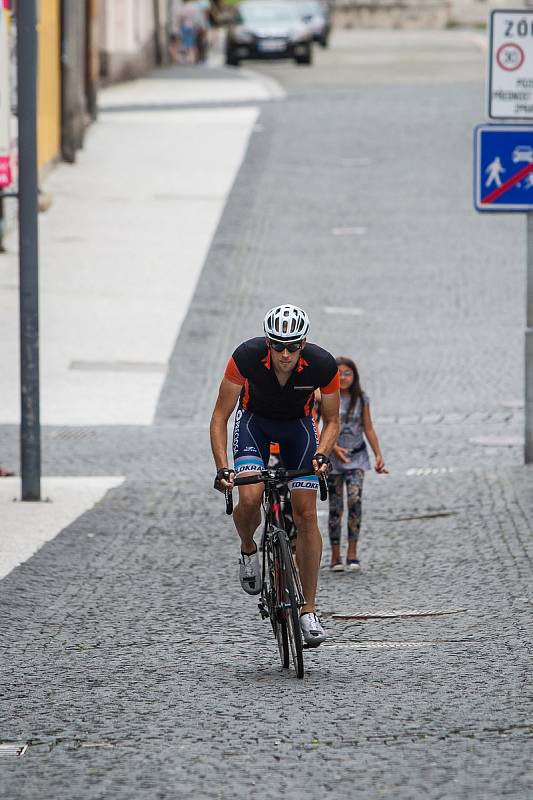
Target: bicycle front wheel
290	607
274	591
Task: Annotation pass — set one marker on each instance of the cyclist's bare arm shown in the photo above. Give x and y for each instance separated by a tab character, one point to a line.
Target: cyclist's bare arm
228	395
330	419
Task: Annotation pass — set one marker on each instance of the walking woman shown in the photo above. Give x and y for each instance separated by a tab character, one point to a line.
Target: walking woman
349	460
188	19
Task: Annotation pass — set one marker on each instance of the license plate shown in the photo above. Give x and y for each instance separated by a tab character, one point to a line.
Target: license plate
271	45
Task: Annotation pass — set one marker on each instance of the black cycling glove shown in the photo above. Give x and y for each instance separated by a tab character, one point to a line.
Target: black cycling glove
321	459
222	475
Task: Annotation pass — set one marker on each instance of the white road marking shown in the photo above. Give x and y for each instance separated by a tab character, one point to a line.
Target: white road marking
345	310
498	441
376	645
356	162
353	231
13	749
430	471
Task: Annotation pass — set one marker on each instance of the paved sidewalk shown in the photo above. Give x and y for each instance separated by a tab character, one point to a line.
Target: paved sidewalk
27	526
121	249
123	244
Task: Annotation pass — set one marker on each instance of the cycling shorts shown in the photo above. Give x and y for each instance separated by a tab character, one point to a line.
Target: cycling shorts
297	438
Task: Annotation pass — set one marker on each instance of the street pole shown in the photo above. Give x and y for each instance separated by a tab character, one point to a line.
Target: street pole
529	345
30	430
2	248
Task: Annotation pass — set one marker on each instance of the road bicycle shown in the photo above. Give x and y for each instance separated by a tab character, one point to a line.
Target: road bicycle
281	591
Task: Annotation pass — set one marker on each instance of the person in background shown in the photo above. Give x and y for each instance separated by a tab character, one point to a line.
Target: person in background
174	36
203	30
216	19
349	460
188	18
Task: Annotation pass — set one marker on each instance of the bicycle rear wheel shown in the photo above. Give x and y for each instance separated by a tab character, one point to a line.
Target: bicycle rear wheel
290	608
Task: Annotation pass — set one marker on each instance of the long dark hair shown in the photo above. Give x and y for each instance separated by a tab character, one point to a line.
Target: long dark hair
355	389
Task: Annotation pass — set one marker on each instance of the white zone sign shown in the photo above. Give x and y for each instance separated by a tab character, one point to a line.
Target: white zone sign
510	78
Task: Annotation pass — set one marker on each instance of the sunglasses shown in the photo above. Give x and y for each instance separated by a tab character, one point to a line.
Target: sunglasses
279	347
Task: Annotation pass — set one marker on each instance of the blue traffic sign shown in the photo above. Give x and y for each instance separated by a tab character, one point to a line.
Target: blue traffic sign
503	159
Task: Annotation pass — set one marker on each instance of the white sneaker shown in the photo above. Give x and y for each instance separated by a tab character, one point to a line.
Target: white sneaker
250	573
353	565
312	630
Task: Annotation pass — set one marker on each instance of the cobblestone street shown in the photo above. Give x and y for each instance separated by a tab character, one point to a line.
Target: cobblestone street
134	665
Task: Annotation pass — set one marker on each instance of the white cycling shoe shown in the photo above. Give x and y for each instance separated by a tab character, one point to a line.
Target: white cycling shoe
312	630
250	573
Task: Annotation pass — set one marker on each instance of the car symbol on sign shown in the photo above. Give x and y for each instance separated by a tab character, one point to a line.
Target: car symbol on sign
522	152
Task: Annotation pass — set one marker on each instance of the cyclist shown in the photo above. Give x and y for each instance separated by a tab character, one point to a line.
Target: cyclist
273	379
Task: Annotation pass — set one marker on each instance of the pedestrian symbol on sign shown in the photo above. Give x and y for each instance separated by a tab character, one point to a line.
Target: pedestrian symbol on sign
494	170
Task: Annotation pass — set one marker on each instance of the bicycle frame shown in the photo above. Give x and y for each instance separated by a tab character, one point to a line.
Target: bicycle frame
272	528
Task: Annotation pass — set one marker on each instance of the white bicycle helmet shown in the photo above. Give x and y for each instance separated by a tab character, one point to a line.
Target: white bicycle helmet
286	323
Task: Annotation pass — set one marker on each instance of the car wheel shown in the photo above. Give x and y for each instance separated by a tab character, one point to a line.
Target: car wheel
231	59
323	41
306	58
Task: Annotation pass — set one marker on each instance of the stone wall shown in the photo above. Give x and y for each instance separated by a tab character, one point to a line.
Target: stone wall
417	13
391	13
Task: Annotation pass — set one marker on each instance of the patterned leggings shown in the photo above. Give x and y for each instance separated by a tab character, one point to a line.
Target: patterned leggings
354	488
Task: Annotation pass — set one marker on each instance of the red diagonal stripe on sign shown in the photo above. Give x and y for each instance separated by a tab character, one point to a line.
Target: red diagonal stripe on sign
490	198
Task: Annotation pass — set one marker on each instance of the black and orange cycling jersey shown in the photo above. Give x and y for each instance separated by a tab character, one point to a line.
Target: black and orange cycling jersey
262	393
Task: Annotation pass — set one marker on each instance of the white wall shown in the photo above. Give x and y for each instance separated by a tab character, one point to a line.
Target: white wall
127	31
128	24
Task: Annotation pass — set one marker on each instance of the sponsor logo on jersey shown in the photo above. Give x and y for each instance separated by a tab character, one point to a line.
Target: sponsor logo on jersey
236	429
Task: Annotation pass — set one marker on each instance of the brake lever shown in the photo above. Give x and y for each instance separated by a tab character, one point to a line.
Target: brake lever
323	487
229	502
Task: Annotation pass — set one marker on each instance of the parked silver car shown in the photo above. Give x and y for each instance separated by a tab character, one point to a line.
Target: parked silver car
316	14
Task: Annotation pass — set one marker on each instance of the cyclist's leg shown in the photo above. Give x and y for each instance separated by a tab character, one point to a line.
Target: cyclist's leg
247	516
284	493
308	543
250	454
298	446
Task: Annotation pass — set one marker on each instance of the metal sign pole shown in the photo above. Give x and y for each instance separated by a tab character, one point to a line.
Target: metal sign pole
504	154
528	453
30	429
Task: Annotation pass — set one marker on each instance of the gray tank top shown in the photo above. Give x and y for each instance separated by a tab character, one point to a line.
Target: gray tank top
351	436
